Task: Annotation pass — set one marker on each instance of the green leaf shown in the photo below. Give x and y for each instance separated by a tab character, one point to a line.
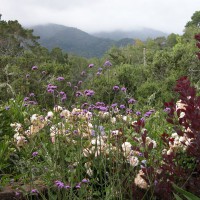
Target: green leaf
186	194
177	197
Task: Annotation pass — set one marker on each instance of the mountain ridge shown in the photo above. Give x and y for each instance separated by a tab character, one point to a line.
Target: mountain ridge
75	41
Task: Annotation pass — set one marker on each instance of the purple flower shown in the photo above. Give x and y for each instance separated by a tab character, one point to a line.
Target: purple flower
89	93
122	106
78	186
100	69
107	64
27	75
80	82
138	113
31	94
85	180
62	93
147	114
167	110
114	105
60	78
131	101
34	191
34	68
98	73
59	184
26	98
7	107
123	89
35	153
91	65
78	94
44	72
67	187
128	111
103	108
116	88
83	73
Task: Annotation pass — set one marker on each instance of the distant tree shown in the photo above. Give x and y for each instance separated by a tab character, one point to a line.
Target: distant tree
14	39
172	40
195	20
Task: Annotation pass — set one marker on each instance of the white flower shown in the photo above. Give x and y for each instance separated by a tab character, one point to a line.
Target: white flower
126	147
139	181
113	120
133	161
57	108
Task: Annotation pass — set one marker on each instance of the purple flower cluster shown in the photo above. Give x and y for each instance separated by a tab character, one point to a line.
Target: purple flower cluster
63	96
59	184
91	65
60	78
116	88
78	94
131	101
51	88
34	68
35	153
148	113
107	64
89	93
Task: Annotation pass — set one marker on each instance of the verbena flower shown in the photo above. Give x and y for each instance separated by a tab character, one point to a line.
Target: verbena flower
27	75
122	106
89	93
34	68
59	184
60	78
78	186
83	73
131	101
116	88
34	191
107	64
123	89
35	153
138	113
7	107
85	180
91	65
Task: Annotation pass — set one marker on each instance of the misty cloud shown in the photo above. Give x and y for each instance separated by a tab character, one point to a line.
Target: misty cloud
97	15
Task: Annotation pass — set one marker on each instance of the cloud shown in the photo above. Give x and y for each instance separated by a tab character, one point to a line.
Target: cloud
97	15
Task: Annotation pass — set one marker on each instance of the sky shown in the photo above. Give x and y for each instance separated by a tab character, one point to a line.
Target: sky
103	15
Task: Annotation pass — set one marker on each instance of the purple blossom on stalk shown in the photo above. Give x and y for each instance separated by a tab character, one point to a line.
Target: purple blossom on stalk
59	184
67	187
167	110
78	94
123	89
32	103
31	94
107	64
34	191
91	65
100	69
89	93
80	82
75	87
78	186
27	75
26	98
103	108
138	113
98	73
7	107
128	111
35	153
99	104
116	88
62	93
131	101
60	78
114	105
34	68
44	72
83	73
85	180
122	106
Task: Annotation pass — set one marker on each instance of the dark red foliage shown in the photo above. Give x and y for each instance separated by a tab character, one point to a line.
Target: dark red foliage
197	37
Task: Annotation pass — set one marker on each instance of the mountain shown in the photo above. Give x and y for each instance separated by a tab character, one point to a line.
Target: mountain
75	41
141	34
